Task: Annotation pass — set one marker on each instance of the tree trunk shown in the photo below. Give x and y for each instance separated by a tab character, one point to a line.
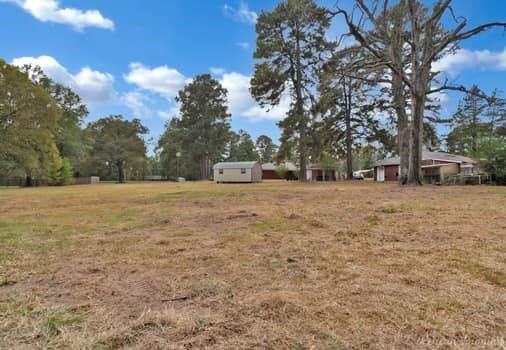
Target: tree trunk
419	80
121	172
349	139
202	168
404	143
403	130
415	160
303	166
300	110
399	101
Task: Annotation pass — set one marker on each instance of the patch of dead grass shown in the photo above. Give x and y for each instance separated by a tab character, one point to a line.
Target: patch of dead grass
267	266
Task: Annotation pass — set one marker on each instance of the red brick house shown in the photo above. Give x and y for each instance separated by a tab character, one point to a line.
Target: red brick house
435	165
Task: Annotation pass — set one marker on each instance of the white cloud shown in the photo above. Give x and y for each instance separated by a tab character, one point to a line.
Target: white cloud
144	106
217	70
161	80
442	97
167	82
462	59
93	86
243	44
171	113
242	14
242	104
138	103
50	11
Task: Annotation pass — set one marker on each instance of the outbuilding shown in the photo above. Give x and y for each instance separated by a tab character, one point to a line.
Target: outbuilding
237	172
270	171
315	172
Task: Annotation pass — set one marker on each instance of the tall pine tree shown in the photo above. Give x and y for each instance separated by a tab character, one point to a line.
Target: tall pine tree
201	130
290	42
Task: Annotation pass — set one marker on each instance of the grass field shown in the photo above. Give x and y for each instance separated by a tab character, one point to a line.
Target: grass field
266	266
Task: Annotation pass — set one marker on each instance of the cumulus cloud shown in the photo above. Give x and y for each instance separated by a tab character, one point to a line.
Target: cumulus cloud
50	11
243	44
453	64
138	103
166	82
93	86
242	14
171	113
217	70
161	80
242	104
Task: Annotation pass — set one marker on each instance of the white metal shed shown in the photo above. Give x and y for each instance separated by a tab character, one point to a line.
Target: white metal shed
238	172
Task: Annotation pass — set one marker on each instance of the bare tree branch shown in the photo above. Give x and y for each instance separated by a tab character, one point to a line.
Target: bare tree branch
460	88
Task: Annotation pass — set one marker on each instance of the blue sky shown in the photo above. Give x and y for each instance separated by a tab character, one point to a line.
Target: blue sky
130	57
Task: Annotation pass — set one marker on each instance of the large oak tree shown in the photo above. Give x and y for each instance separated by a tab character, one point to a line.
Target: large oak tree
28	121
118	143
407	38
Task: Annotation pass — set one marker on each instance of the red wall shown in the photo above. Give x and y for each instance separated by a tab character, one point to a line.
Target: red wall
391	173
270	175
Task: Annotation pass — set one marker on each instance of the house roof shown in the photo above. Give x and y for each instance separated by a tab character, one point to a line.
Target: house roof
387	161
271	166
448	157
436	165
315	166
426	155
235	165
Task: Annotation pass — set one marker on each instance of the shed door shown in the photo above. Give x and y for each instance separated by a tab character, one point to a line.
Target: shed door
381	174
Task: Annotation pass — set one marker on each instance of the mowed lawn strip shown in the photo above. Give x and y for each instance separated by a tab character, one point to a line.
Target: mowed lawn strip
276	265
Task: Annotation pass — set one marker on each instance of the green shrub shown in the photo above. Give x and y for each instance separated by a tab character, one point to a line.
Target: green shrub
67	172
281	170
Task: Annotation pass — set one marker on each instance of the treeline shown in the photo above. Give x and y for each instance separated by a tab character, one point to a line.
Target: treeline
43	139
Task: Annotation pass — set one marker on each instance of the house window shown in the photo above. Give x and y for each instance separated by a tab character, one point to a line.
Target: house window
220	171
243	171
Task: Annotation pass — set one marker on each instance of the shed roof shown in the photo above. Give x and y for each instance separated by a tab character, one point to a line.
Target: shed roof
235	165
426	155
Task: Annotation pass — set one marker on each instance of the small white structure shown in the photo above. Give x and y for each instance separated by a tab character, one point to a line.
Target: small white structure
90	180
153	178
237	172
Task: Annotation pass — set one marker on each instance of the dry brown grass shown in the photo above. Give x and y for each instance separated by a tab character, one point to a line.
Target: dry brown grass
267	266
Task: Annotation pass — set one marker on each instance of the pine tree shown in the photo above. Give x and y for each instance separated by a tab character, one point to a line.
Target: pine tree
201	131
469	118
290	42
